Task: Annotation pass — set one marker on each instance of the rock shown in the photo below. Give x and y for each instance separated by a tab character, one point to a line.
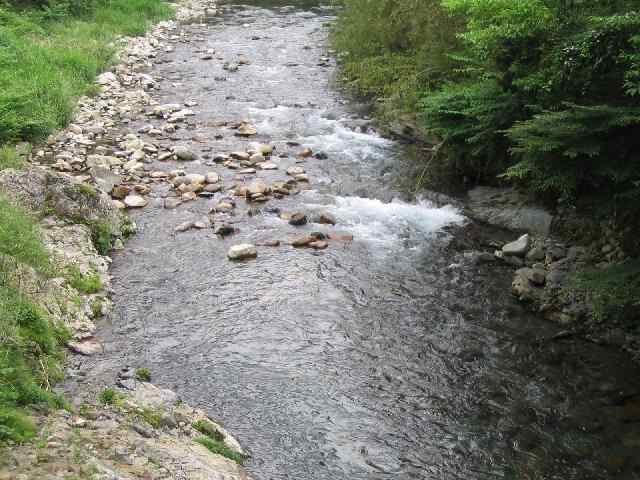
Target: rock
87	346
307	152
143	430
298	219
521	286
120	191
240	155
242	252
256	158
506	208
319	245
517	248
171	203
213	187
224	230
325	219
246	130
183	153
536	254
135	201
293	171
268	166
257	187
538	276
303	241
194	179
342	237
150	396
167	420
184	226
212	177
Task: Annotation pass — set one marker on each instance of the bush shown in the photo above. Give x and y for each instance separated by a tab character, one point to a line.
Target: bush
143	374
89	283
219	448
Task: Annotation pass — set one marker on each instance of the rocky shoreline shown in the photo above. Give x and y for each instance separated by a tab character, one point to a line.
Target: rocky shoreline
545	264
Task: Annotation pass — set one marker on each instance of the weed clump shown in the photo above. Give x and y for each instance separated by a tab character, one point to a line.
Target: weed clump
85	283
143	374
219	448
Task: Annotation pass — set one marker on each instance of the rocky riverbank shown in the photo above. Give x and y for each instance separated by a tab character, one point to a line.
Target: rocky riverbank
546	264
129	429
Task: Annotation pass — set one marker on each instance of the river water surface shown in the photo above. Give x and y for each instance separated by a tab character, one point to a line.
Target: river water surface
385	357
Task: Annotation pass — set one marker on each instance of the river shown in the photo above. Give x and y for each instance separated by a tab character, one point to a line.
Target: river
385	357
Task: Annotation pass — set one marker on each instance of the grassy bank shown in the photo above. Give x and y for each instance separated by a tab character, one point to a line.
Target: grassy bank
50	54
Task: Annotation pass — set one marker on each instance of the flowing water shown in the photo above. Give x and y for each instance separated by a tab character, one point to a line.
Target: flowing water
385	357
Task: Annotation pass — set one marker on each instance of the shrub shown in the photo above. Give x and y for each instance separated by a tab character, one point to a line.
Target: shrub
89	283
219	448
143	374
108	396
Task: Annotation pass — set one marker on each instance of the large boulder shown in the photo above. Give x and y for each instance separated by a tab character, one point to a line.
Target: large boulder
506	208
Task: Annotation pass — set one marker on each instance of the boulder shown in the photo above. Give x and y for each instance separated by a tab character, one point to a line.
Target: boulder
517	248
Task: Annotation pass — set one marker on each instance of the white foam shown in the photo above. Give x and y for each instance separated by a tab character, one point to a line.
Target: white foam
320	133
386	224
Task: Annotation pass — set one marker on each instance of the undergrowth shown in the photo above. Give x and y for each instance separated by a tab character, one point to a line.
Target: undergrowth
614	293
30	345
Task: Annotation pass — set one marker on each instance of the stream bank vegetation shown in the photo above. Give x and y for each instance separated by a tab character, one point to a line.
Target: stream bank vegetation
543	95
50	53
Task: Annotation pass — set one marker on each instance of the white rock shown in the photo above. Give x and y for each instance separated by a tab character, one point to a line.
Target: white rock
242	251
135	201
517	248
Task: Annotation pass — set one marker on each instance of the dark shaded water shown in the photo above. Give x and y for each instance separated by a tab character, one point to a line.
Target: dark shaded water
387	357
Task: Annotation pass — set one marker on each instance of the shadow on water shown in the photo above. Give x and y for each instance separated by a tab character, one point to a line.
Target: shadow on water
387	357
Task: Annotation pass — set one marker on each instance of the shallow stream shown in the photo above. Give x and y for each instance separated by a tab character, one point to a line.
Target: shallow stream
384	357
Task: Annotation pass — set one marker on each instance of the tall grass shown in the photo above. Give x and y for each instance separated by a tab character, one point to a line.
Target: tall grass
49	58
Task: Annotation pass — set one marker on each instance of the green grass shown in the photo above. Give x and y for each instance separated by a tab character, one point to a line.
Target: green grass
143	374
9	158
614	293
49	58
152	416
85	283
209	429
219	448
108	396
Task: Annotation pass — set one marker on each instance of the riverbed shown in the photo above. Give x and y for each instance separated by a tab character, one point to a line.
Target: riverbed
386	356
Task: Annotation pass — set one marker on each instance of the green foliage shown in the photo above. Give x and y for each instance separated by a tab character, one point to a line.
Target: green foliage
108	396
20	239
143	374
219	448
15	426
392	50
543	93
89	283
9	158
51	53
152	416
101	236
614	293
209	429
